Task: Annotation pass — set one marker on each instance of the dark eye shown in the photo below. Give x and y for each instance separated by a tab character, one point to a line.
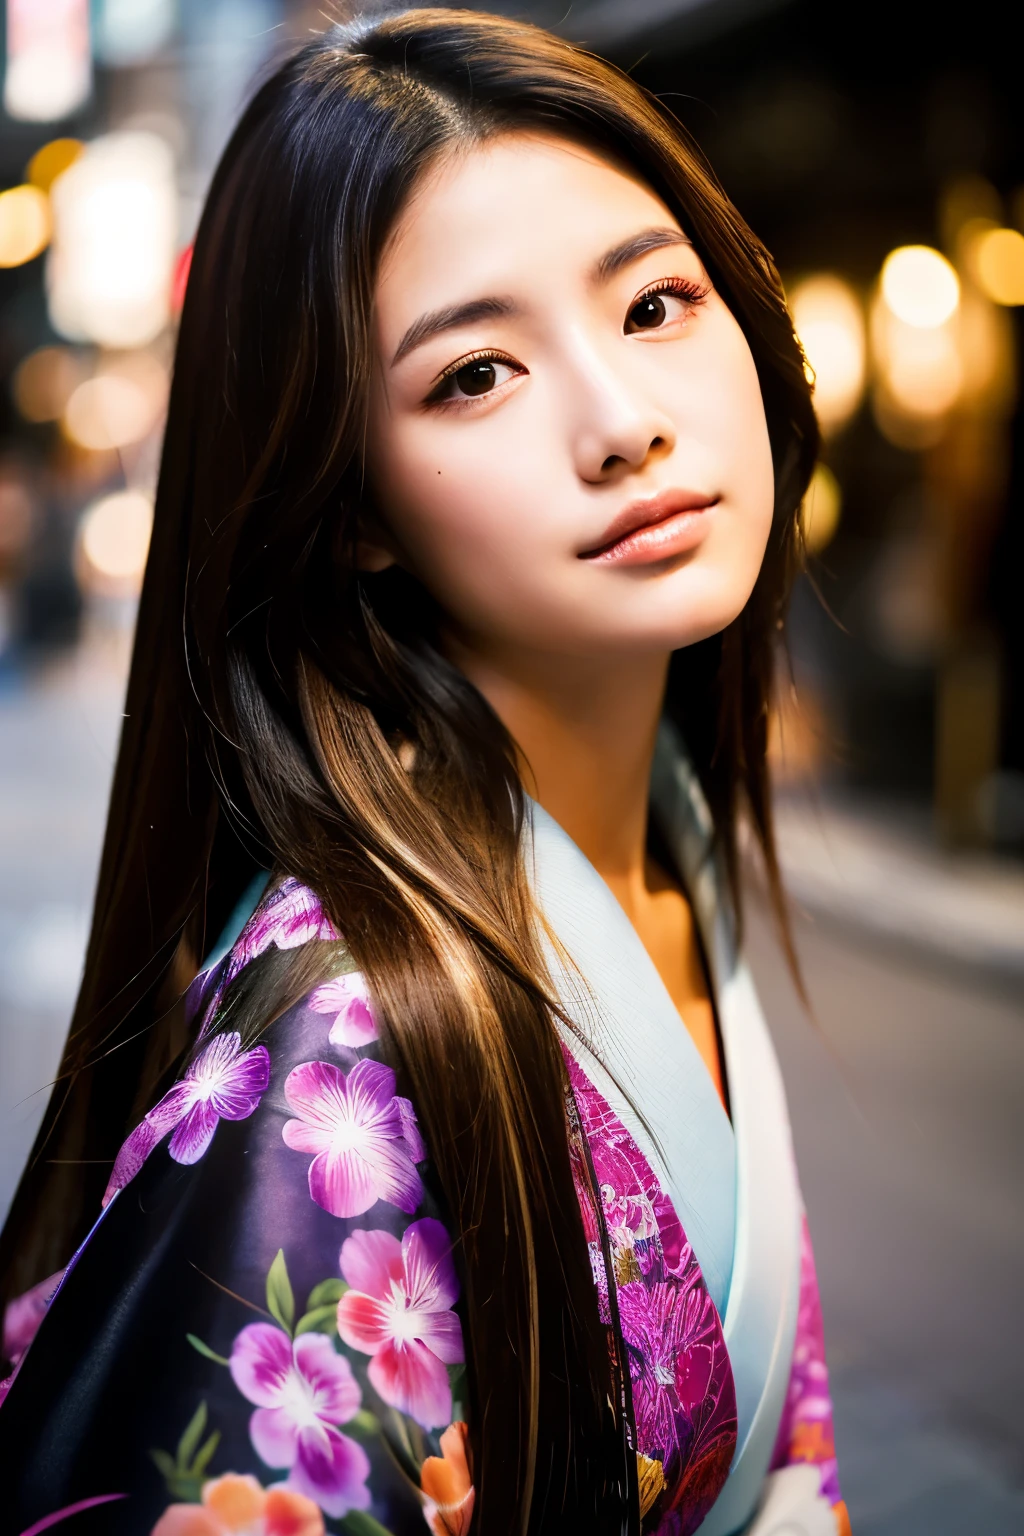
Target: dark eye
648	314
476	378
660	306
479	376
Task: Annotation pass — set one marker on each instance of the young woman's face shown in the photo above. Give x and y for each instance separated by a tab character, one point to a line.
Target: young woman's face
567	443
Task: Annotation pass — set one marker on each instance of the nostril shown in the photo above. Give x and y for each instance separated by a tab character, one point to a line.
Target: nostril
611	461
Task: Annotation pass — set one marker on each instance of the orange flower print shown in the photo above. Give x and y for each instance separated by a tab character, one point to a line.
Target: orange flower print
447	1486
238	1506
811	1441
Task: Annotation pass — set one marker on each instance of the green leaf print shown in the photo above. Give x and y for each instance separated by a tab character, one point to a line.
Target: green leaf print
206	1351
190	1439
185	1472
205	1454
360	1524
364	1425
319	1320
166	1464
280	1297
328	1291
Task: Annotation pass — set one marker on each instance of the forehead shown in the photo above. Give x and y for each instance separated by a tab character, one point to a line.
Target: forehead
492	217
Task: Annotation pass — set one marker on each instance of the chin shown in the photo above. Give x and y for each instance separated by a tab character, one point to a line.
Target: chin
691	616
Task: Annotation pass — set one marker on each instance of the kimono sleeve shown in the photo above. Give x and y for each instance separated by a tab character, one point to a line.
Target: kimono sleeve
806	1435
262	1331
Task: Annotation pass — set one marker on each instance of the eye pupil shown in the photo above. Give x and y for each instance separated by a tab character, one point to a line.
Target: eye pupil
649	312
476	378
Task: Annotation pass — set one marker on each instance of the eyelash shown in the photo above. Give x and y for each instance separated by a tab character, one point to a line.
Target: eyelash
682	287
485	355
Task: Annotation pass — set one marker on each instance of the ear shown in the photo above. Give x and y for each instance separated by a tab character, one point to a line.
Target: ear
373	557
375	548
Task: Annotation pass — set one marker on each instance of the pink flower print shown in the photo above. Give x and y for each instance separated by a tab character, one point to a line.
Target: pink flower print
348	999
399	1311
303	1391
23	1315
21	1319
663	1323
223	1083
363	1135
291	915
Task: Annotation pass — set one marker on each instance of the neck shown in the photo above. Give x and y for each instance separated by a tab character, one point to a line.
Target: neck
585	732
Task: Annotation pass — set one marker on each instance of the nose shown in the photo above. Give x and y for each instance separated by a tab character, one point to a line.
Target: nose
617	427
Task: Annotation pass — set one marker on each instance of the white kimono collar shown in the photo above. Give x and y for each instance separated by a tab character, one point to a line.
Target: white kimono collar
733	1185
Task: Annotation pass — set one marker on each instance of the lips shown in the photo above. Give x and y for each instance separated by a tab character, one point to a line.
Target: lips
639	530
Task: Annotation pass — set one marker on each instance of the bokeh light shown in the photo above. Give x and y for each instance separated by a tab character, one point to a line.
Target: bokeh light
997	262
49	66
986	345
114	542
106	412
119	406
921	368
920	286
916	345
52	161
130	31
821	508
112	259
828	320
15	518
24	225
44	382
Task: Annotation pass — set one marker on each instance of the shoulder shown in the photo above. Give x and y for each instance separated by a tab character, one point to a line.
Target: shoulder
276	1213
258	1043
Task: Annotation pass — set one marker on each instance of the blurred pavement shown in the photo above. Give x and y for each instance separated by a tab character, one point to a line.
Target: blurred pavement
58	736
880	872
907	1096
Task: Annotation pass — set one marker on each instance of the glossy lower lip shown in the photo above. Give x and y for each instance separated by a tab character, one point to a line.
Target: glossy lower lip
646	532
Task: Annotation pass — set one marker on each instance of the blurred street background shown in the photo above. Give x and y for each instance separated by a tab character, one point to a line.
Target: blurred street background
879	152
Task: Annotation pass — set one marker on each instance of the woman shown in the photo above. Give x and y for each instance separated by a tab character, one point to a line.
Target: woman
480	491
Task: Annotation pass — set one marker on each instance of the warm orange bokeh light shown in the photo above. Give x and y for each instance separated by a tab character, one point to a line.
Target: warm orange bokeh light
52	161
24	225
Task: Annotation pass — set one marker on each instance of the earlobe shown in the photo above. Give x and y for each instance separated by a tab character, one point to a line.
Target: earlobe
372	557
374	549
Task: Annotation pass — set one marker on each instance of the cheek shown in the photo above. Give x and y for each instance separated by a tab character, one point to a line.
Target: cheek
468	508
733	424
735	419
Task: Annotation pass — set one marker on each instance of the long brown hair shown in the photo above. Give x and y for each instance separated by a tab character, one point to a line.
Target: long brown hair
272	683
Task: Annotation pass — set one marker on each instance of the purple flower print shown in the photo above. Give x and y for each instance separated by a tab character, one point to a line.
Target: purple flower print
291	915
659	1322
684	1397
347	998
363	1136
21	1319
303	1391
805	1432
223	1083
399	1311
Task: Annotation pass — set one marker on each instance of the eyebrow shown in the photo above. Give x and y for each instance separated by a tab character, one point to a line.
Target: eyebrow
613	261
449	318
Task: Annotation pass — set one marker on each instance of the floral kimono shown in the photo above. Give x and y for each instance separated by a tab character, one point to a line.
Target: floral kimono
262	1332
